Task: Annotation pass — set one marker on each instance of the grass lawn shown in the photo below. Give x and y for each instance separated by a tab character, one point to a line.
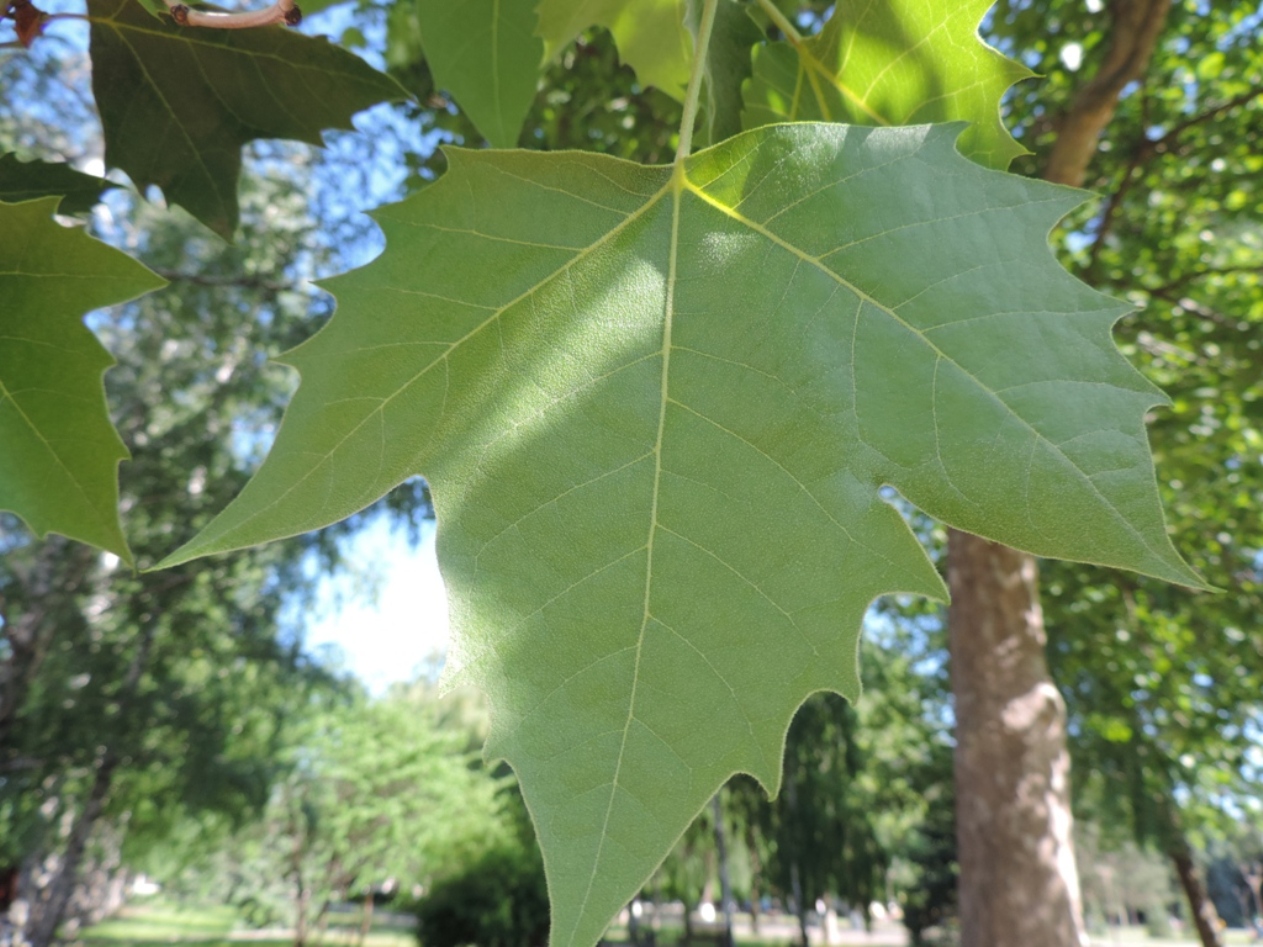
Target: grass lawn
156	923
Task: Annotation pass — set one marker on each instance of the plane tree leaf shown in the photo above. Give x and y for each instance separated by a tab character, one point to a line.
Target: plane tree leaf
178	104
59	453
891	63
28	180
652	35
486	53
656	407
728	66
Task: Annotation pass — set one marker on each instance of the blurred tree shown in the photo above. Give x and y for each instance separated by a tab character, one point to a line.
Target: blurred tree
1163	685
374	792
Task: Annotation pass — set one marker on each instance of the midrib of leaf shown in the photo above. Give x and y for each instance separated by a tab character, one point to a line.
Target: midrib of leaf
940	355
677	186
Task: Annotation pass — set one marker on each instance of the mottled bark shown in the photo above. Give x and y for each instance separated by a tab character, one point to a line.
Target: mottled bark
1018	881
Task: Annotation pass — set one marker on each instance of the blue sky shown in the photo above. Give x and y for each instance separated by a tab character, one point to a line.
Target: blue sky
389	614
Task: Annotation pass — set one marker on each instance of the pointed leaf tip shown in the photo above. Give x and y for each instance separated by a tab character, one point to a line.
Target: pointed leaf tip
59	465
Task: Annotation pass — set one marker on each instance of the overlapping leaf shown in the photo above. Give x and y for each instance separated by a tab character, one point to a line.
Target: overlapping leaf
651	35
656	408
728	66
28	180
486	53
178	104
59	453
892	63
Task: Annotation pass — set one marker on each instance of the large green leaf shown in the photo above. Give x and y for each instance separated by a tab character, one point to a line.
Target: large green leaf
27	180
486	53
892	63
656	408
177	104
651	34
59	453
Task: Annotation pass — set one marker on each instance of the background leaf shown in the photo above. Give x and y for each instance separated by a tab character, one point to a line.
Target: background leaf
178	104
656	410
27	180
892	63
651	35
59	453
728	65
486	53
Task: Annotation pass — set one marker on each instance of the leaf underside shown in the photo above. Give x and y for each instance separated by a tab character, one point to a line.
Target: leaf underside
59	453
28	180
177	104
656	410
886	63
486	53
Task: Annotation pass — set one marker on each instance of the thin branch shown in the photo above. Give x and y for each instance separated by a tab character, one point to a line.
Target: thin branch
281	12
1144	152
246	282
1170	287
1160	144
1197	309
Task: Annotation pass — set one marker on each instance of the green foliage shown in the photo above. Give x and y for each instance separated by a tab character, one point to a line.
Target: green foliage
497	900
891	64
27	180
485	52
651	34
177	105
370	790
59	465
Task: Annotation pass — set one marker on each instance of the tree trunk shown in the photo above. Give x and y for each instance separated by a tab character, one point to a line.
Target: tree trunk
795	880
721	848
51	908
1205	917
1018	881
366	917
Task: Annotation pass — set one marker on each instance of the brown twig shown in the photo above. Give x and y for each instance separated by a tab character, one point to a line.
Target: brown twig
282	11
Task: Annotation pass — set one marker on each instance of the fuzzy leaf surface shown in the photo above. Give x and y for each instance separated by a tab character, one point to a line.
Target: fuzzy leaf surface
652	35
59	453
178	104
28	180
894	62
656	407
486	53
